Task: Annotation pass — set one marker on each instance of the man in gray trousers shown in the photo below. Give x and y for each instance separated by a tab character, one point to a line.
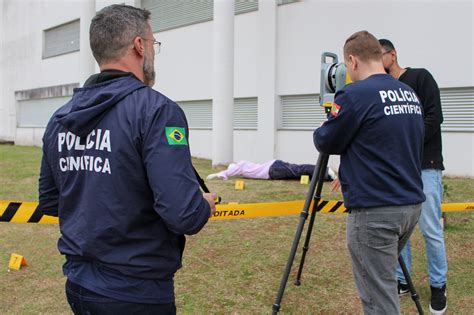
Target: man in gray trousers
376	125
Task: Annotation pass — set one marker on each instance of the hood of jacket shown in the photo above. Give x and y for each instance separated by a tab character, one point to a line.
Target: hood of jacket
91	103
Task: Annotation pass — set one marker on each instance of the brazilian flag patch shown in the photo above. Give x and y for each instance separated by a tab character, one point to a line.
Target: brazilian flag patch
176	136
335	109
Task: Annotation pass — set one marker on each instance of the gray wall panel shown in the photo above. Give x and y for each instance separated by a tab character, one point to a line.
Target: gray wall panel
301	112
37	112
61	39
169	14
458	109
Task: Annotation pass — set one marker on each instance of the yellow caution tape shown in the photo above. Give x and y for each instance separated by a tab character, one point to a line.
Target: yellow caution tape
23	212
272	209
28	212
455	207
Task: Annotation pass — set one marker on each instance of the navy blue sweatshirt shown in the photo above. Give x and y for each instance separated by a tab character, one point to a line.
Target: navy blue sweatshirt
376	125
117	171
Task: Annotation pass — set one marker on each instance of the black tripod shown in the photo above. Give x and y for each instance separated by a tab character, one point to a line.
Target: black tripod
312	200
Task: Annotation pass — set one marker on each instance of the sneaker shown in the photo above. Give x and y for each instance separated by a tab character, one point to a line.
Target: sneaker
403	288
212	176
332	175
438	303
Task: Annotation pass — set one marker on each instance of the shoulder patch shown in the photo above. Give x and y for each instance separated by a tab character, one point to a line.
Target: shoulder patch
335	109
176	136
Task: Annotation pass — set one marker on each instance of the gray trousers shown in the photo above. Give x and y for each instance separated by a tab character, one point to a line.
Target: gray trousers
375	237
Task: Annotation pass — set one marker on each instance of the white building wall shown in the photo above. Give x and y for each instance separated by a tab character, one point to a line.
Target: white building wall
223	83
29	136
184	72
266	79
425	34
458	153
22	66
437	35
298	146
184	65
245	147
200	143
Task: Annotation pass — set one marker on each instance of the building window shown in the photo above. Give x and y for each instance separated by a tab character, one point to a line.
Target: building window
281	2
301	112
169	14
246	113
61	39
458	109
36	106
198	113
244	6
36	113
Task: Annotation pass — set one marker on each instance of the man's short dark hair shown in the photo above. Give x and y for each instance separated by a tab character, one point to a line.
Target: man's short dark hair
114	28
385	43
364	46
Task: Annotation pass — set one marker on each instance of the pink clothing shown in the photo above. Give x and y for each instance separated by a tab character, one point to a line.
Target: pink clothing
247	169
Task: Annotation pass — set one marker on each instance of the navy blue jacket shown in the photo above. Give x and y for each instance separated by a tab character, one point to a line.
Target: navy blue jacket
117	170
376	125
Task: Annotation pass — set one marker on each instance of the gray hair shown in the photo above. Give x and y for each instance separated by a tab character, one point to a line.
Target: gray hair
114	28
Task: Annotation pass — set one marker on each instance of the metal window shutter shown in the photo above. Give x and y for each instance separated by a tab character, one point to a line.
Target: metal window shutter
37	112
244	6
168	14
281	2
301	112
246	113
458	109
61	39
198	113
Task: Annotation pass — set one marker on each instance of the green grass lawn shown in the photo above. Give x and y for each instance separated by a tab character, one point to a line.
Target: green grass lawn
232	266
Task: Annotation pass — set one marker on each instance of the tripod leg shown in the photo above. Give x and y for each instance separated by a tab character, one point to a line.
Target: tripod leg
317	198
414	295
299	231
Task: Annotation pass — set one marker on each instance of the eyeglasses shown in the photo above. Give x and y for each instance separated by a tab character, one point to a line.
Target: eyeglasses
155	42
387	52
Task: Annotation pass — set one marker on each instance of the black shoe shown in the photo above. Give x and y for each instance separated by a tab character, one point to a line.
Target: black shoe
438	303
403	288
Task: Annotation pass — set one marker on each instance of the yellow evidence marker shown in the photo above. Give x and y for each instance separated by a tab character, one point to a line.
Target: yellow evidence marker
304	180
239	185
16	262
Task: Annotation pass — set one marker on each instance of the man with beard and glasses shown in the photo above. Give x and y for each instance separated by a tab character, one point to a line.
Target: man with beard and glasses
117	171
424	85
